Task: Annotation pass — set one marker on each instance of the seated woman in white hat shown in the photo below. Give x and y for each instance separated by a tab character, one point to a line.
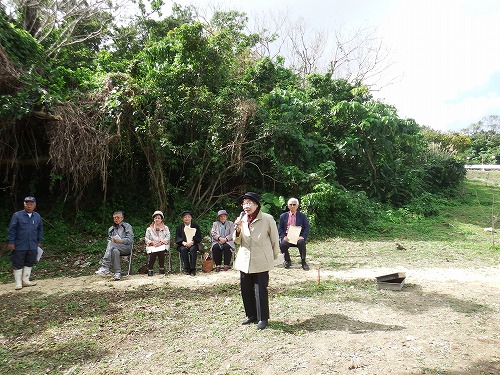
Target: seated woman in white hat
157	242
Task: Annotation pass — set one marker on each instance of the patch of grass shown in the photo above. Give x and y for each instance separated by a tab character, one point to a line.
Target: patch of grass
489	177
24	359
326	289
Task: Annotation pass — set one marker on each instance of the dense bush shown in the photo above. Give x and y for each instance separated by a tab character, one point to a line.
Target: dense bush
443	174
333	208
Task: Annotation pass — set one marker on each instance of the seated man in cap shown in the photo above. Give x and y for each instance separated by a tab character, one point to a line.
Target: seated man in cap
25	237
222	240
120	243
298	220
187	238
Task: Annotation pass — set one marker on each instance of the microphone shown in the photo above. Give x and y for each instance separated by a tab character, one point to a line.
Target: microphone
238	220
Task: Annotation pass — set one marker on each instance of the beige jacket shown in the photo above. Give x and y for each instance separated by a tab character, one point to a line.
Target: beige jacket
259	244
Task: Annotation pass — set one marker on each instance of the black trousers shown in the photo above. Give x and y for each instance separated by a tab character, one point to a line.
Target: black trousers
23	258
152	259
301	244
255	295
188	256
218	250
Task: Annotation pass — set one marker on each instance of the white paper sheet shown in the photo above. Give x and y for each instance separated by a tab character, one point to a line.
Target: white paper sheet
39	253
190	233
293	234
155	249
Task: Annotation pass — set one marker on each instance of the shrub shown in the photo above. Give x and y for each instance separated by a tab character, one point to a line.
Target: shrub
332	207
443	174
425	205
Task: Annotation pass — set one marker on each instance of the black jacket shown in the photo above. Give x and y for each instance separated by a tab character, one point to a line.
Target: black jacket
180	236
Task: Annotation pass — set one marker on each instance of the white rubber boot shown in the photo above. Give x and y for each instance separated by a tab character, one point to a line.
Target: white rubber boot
26	277
18	275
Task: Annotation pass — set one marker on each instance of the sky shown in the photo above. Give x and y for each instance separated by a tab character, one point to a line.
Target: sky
445	54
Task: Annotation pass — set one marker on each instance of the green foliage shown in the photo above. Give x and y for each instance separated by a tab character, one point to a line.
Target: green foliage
263	75
334	208
378	152
272	204
443	174
425	205
479	143
451	142
324	87
20	46
30	86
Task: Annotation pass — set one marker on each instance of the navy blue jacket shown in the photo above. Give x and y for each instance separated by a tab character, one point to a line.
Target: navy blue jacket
300	221
25	232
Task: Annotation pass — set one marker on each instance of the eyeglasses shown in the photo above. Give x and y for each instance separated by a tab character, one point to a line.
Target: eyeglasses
248	203
292	204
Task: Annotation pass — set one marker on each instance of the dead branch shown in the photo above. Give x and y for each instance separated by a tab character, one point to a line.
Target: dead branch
46	116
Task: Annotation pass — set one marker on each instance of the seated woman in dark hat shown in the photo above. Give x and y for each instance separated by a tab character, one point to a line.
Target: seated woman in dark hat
187	238
222	240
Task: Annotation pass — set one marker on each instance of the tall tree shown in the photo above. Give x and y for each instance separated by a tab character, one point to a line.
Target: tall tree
61	23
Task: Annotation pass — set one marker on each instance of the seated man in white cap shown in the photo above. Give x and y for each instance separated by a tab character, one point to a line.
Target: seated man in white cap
222	240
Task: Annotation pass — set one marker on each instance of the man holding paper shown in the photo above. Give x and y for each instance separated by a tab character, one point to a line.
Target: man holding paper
120	243
293	230
187	238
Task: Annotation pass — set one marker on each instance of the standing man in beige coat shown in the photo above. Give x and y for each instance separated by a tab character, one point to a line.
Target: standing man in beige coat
257	234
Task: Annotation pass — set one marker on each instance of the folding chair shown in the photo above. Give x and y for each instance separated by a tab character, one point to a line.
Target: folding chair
169	260
129	257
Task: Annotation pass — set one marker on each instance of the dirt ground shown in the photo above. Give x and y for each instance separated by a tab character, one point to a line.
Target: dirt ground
443	321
